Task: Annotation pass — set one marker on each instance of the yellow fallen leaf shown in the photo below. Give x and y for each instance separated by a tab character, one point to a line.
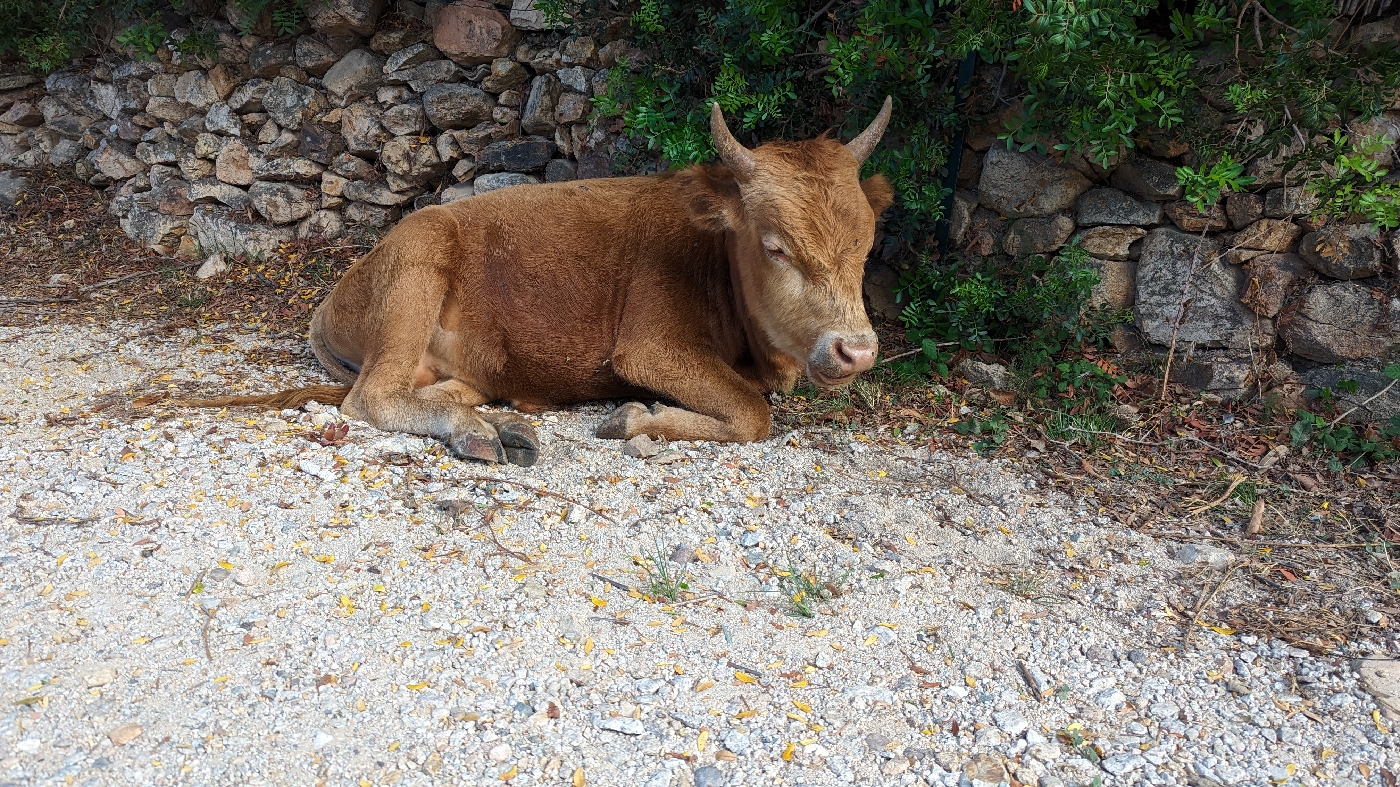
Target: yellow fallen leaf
140	640
871	640
704	684
787	753
588	645
802	706
324	558
579	780
279	565
1222	630
1376	717
394	746
801	684
971	681
818	633
701	739
598	602
744	677
510	774
377	588
746	714
62	558
417	686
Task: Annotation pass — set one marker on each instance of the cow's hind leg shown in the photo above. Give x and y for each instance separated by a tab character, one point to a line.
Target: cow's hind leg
716	403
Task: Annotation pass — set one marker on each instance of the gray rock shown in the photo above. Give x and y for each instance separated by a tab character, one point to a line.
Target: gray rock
288	169
210	191
571	108
576	78
367	215
248	97
457	106
405	119
623	724
1011	722
314	56
410	56
116	160
288	102
356	73
523	155
642	447
1343	252
352	167
420	78
280	203
538	117
320	144
1215	372
525	16
363	133
1185	215
1147	178
1037	236
1339	322
12	187
501	180
266	60
1381	678
410	159
1214	316
1121	764
222	120
168	109
1021	185
234	165
151	227
1244	209
560	170
471	35
325	224
1269	235
709	775
987	375
375	193
1369	383
458	192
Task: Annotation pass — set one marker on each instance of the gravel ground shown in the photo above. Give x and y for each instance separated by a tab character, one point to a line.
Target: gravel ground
204	597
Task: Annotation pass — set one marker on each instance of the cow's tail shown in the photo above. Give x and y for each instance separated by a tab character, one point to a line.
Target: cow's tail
292	397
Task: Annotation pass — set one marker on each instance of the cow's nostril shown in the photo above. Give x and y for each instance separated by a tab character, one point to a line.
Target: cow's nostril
852	358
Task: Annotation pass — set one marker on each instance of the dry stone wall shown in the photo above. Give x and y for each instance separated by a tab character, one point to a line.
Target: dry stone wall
352	122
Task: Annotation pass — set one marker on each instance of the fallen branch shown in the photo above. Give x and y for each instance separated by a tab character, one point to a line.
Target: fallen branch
1204	602
1373	398
1236	481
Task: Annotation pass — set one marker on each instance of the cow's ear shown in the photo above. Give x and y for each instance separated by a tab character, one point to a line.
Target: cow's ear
878	193
711	197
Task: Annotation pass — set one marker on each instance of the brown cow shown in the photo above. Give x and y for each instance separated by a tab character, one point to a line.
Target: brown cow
707	287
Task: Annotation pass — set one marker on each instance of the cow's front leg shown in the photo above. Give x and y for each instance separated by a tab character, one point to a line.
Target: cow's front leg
716	403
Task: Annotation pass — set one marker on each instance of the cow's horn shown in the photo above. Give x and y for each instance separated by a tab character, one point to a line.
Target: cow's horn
738	157
862	146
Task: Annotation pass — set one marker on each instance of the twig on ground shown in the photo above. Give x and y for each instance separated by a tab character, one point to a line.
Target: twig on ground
1235	482
120	279
1203	602
1374	397
542	491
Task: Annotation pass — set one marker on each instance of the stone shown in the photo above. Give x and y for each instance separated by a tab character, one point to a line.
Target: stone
1121	764
992	376
211	191
1381	679
1290	201
457	192
1011	722
194	167
525	16
370	215
457	106
410	159
195	88
376	193
1037	236
1147	178
538	117
234	165
168	109
314	56
171	198
1214	316
1269	235
355	74
1342	252
523	155
707	775
1244	209
387	42
579	51
361	129
1109	242
571	108
116	160
124	734
288	103
319	144
1021	185
1236	256
325	224
1215	372
1117	285
1372	406
265	61
642	447
248	97
420	78
352	167
501	180
340	17
576	78
222	120
411	56
280	203
287	169
1185	215
560	170
1338	322
1271	276
284	144
405	119
12	188
469	35
214	265
22	114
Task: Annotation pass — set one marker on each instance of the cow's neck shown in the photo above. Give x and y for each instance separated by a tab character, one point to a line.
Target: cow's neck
773	368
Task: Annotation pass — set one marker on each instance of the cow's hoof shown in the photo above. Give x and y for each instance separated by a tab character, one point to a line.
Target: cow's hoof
623	423
477	446
518	440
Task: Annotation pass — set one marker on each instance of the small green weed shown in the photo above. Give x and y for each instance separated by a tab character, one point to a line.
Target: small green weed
1376	443
143	39
1203	187
803	590
663	582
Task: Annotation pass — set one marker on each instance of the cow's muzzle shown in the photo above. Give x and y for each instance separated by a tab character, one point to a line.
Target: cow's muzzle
838	358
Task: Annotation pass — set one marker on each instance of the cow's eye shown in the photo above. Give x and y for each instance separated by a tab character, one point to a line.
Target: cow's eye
776	253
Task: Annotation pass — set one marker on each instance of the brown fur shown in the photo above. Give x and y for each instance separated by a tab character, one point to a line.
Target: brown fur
617	288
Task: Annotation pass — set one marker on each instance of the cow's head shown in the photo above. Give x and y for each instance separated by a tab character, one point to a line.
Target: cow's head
802	224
